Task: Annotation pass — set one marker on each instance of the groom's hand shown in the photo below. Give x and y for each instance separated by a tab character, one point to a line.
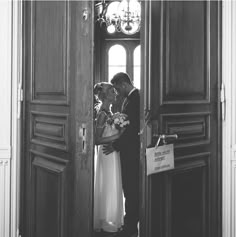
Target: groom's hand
108	149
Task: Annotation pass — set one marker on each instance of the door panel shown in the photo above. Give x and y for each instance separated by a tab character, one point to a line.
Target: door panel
50	25
186	30
182	75
57	159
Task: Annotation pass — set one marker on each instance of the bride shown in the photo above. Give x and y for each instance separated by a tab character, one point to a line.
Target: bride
108	195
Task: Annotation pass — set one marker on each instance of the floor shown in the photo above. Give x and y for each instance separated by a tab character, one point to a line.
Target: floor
104	234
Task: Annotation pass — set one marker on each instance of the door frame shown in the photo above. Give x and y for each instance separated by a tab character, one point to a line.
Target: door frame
16	104
229	123
228	60
145	108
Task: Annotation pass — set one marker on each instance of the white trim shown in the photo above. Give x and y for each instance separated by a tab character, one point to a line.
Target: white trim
5	119
16	103
233	115
228	126
233	187
5	197
5	152
233	75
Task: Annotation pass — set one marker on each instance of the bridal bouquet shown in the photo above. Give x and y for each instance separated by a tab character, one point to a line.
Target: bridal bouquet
118	120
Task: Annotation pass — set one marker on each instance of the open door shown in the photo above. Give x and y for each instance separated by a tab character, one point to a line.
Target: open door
182	65
57	172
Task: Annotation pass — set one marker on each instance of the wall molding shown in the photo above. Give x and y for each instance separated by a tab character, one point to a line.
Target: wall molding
5	152
229	124
5	197
16	69
233	199
232	191
6	116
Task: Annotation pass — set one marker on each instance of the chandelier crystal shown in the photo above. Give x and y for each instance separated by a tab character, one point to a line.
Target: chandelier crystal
124	16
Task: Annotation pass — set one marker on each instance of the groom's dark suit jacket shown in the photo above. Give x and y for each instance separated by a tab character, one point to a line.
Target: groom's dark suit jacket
129	140
128	145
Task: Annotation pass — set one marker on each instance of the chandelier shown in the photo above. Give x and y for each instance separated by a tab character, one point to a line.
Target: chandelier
120	16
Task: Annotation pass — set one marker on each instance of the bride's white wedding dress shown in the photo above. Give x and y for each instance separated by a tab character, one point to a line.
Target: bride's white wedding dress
108	195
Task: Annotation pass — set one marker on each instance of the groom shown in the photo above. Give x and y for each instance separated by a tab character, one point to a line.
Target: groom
128	146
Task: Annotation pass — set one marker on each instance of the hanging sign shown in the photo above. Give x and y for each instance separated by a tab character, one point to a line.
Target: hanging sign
160	158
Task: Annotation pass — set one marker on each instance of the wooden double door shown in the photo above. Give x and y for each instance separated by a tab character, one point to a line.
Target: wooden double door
181	67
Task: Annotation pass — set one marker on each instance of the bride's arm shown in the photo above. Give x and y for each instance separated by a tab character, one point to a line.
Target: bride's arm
99	129
105	140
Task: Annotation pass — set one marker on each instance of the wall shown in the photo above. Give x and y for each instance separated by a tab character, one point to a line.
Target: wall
5	117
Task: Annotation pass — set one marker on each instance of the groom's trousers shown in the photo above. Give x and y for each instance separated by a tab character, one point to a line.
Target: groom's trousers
130	183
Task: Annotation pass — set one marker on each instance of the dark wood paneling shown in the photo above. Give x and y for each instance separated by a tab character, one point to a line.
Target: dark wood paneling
48	195
192	128
49	52
189	187
184	198
182	92
186	52
58	101
49	129
189	201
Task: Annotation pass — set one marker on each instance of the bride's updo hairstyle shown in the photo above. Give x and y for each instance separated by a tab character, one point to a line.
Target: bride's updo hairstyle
100	90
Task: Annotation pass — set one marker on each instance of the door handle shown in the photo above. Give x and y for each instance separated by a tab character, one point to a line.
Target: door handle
165	137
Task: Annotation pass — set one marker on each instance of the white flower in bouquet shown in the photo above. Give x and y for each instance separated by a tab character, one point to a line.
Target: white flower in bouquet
119	120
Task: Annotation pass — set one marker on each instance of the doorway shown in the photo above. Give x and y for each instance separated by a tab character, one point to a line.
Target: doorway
114	52
180	81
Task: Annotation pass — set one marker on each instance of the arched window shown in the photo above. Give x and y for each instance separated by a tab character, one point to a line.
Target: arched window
136	66
124	56
116	60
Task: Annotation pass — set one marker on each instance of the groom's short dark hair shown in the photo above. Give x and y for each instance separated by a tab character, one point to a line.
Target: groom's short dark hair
121	77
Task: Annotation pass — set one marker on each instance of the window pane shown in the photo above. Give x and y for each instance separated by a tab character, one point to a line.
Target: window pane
116	60
136	67
113	70
137	77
